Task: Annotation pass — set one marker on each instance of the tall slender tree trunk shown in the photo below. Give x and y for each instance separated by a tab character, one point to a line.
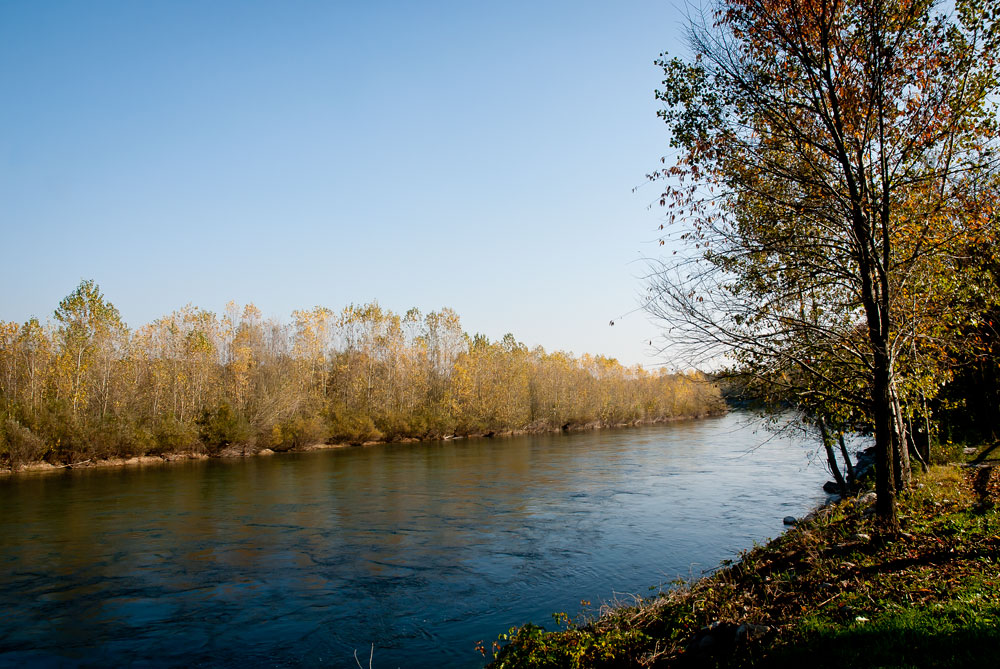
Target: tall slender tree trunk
882	414
904	474
76	380
851	478
831	457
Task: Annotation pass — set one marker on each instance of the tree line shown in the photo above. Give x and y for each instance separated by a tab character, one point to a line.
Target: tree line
86	386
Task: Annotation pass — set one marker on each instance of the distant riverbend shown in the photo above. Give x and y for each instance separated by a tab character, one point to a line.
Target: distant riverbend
419	549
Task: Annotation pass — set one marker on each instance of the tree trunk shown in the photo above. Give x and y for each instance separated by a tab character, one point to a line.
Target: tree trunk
885	445
914	447
831	458
902	455
851	478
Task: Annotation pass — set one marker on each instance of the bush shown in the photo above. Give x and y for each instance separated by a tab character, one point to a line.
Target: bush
117	436
352	427
295	432
586	646
221	427
947	451
172	436
19	445
55	423
401	427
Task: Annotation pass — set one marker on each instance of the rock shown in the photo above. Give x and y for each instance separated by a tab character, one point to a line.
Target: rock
831	487
864	465
749	632
706	644
790	520
170	457
719	639
867	499
715	639
265	451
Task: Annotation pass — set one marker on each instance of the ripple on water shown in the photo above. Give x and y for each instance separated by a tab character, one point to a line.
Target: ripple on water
422	549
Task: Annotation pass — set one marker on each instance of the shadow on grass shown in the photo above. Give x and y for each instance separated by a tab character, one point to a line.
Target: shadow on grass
938	557
935	637
981	457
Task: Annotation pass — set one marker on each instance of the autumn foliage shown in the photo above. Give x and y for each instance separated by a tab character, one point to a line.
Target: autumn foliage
86	386
832	185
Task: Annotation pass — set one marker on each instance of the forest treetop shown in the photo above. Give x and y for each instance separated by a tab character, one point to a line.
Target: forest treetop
86	385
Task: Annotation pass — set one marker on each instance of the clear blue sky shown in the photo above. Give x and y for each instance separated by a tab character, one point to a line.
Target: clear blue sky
479	156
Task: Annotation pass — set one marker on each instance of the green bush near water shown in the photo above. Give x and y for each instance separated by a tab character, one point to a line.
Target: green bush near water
18	444
221	427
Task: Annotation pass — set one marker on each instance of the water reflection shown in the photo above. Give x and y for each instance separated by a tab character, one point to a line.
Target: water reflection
421	549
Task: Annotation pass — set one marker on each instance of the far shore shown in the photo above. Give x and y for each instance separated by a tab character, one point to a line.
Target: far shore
245	451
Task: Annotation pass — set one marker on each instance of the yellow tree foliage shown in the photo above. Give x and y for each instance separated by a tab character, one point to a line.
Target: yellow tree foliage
88	386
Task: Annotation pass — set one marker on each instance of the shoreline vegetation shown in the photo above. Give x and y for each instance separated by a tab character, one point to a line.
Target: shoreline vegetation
87	390
247	451
823	594
830	197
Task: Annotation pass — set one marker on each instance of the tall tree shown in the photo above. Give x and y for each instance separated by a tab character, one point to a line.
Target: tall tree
90	334
831	163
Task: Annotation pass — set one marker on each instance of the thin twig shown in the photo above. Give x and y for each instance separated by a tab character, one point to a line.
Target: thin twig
371	656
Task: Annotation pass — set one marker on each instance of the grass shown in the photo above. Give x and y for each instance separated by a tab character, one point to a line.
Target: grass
827	593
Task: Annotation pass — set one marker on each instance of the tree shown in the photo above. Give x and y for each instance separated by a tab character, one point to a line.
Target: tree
833	161
33	346
313	332
91	334
87	386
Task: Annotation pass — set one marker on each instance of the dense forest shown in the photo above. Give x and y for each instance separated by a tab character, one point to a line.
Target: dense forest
86	386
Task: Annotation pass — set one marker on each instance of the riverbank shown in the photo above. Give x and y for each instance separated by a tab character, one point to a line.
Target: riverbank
249	450
824	594
421	549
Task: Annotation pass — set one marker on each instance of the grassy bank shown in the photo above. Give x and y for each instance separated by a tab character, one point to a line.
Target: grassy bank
827	593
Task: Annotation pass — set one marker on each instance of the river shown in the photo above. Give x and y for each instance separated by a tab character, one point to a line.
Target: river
418	550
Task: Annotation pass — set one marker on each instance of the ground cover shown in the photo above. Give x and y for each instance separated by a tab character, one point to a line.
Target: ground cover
830	592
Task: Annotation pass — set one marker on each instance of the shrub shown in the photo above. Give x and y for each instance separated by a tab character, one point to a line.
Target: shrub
19	445
221	427
172	436
352	427
295	432
398	426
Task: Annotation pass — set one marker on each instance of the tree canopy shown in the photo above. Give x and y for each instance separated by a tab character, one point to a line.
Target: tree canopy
833	179
87	386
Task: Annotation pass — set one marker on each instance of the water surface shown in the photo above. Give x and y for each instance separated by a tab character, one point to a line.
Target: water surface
419	549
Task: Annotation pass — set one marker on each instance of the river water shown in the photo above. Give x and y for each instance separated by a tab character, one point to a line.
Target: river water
417	550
